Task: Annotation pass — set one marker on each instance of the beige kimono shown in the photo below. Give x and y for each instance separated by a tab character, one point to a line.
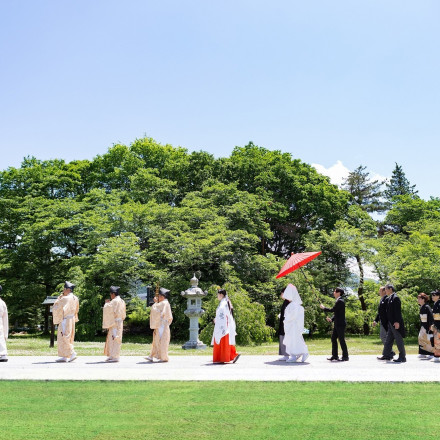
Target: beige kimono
4	328
160	320
113	320
65	314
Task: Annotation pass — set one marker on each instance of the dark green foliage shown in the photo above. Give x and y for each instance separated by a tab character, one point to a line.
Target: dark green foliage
399	185
150	213
364	192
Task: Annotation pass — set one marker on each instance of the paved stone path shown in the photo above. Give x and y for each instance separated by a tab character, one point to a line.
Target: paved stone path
254	368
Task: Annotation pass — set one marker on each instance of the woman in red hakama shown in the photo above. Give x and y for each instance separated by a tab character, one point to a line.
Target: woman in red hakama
223	338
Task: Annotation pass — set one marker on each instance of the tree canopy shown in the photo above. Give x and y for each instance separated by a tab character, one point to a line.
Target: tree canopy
149	213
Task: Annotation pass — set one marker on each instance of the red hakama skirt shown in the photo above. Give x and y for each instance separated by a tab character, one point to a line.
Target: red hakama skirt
224	352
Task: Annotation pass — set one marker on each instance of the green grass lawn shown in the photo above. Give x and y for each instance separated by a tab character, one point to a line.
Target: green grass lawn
29	345
216	410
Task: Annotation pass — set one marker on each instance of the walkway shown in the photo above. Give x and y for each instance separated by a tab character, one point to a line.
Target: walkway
254	368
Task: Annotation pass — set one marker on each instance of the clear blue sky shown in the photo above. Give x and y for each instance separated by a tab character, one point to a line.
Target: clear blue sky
324	80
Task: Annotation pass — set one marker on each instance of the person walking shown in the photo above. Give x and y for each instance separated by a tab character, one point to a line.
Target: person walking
113	320
396	327
381	317
339	325
65	314
294	326
223	338
160	321
426	348
281	333
4	329
435	295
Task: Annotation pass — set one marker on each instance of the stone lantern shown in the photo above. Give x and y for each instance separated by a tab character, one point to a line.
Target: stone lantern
194	311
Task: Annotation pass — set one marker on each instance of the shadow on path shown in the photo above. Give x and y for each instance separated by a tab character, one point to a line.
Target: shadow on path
287	364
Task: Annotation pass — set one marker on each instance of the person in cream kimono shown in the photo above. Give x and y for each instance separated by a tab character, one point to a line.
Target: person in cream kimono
65	315
160	320
294	326
223	338
113	320
4	330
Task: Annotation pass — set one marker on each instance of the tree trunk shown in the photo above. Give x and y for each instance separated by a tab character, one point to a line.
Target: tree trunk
361	293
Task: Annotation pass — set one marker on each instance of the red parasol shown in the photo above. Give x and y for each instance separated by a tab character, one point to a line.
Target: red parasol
296	261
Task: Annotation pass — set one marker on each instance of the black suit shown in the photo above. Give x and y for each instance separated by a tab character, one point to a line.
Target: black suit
382	319
339	322
394	314
282	347
382	312
283	308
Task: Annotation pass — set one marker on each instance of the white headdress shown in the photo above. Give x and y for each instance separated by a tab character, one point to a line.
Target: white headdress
291	294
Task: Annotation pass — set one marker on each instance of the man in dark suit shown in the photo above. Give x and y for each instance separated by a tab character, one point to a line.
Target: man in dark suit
396	327
338	320
282	347
381	317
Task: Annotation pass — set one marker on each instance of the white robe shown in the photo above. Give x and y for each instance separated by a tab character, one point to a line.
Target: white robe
113	316
65	314
294	323
4	328
224	324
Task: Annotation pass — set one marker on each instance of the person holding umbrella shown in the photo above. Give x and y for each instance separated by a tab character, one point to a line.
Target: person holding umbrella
339	322
281	347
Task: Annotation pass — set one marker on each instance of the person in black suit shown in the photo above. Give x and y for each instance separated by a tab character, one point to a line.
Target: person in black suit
381	317
339	322
282	347
396	327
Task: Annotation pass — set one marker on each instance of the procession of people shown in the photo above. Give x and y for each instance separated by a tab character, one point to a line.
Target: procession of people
292	346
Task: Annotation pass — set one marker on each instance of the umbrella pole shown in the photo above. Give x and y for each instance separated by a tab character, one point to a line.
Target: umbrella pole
310	284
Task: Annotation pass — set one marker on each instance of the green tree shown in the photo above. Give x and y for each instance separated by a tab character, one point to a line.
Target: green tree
398	185
299	199
365	192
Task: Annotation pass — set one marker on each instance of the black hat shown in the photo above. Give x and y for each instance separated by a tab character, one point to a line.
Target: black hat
114	289
68	285
164	292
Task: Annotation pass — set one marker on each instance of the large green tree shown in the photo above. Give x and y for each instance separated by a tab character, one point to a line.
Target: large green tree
148	213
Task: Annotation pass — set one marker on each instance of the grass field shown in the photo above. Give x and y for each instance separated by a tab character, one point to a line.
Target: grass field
216	410
20	345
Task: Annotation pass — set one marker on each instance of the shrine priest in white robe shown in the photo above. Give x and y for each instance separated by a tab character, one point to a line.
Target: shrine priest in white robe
65	315
160	320
296	348
4	329
113	320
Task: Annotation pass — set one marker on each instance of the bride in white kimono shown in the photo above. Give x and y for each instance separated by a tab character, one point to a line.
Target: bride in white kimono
294	326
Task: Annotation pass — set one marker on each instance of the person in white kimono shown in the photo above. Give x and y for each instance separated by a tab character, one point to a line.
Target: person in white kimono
294	326
223	338
4	330
113	320
160	321
65	315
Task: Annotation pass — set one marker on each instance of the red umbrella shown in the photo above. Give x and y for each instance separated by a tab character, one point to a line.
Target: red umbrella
296	261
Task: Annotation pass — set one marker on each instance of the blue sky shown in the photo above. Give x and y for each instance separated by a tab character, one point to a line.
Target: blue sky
348	81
